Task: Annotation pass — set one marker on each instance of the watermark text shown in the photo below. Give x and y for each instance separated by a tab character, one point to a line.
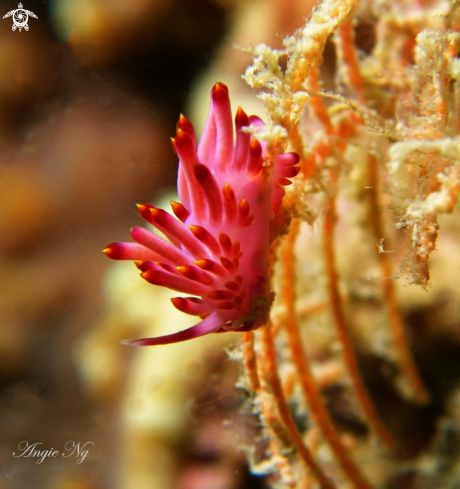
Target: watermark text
72	449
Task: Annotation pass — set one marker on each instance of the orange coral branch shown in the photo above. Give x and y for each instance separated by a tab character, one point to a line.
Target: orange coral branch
349	54
407	363
346	39
317	103
249	359
271	372
347	349
406	360
309	386
284	442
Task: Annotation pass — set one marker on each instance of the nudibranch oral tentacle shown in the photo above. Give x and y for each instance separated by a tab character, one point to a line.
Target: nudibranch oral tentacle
217	248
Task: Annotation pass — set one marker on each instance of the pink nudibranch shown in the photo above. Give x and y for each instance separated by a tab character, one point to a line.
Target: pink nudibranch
218	246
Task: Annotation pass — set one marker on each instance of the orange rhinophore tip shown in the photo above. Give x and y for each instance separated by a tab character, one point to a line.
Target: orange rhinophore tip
227	190
219	86
219	91
116	251
241	118
154	211
144	210
179	210
184	124
203	263
198	231
190	305
108	251
210	266
256	148
180	133
243	209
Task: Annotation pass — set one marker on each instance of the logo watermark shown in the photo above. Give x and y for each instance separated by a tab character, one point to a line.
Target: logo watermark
71	449
20	18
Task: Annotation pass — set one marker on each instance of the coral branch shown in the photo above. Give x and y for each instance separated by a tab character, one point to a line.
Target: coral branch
309	386
317	102
406	360
346	52
249	359
286	96
342	330
270	370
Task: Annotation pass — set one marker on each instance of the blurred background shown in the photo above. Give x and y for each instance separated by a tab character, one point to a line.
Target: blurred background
89	97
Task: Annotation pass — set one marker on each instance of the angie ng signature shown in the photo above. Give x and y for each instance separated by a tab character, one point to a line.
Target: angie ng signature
71	449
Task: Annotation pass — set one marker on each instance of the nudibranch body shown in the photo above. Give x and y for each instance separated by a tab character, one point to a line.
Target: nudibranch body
218	246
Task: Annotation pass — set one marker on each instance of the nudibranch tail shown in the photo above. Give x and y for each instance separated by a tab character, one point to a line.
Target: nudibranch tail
216	249
208	325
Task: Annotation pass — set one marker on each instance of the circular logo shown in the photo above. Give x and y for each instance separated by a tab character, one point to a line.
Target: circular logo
20	17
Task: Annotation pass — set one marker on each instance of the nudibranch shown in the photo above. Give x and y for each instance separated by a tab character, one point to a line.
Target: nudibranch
217	249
